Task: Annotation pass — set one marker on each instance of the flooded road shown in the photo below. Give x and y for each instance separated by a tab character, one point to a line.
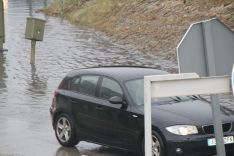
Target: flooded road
26	91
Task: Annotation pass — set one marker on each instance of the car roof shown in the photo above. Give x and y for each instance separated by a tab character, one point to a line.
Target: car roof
120	73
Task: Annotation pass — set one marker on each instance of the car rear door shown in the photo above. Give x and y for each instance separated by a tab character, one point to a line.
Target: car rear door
83	102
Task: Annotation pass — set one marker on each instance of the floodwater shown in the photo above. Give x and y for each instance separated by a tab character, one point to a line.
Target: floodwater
26	91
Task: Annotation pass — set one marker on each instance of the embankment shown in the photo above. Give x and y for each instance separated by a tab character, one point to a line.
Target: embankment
154	26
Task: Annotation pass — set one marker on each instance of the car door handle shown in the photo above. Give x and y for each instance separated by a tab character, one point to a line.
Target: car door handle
99	108
73	101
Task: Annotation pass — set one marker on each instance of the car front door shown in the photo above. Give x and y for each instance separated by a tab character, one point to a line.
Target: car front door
115	120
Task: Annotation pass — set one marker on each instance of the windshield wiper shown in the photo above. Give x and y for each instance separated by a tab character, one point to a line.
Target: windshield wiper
177	99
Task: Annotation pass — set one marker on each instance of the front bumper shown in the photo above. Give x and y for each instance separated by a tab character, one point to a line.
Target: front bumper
195	146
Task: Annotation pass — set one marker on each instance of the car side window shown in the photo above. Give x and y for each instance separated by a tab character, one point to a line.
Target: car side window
74	84
88	84
110	88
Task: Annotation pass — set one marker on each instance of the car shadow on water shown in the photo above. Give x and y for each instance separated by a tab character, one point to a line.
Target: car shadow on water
99	151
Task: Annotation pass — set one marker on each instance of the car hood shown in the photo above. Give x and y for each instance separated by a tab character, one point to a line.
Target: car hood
196	112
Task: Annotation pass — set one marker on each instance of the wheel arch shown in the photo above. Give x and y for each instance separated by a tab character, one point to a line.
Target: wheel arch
57	113
73	139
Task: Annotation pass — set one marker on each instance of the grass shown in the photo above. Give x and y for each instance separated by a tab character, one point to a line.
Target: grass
62	7
85	12
95	11
154	26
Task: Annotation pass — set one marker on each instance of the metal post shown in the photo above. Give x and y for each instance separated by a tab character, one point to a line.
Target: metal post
211	69
217	125
2	25
1	43
147	114
33	51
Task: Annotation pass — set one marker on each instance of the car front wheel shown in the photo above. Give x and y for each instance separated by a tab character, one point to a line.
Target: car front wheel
158	148
65	130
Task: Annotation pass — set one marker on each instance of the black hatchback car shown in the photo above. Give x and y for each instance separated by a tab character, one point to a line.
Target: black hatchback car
106	106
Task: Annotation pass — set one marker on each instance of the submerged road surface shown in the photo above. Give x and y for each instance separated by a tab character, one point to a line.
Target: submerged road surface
26	91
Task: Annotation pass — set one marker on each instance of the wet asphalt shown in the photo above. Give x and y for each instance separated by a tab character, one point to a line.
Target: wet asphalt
26	91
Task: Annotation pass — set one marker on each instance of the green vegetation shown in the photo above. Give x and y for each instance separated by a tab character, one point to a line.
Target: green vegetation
154	26
84	11
95	12
62	7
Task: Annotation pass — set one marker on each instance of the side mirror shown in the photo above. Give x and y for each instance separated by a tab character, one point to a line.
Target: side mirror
116	100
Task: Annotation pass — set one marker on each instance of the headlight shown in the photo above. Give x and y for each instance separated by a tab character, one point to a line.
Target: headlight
183	129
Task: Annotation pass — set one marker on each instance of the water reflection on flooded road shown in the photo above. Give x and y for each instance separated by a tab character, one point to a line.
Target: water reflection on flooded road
26	91
98	151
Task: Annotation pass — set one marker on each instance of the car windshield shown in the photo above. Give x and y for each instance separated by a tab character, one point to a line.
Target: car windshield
136	91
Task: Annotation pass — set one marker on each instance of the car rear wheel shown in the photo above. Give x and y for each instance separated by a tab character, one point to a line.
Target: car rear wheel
65	131
158	148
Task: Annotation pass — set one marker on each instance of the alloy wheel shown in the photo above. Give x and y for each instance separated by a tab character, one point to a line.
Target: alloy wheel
155	146
63	129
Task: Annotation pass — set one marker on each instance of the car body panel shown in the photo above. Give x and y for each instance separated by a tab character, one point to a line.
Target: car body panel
180	113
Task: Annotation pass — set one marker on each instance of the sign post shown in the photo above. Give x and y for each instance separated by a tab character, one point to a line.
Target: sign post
207	49
148	122
2	26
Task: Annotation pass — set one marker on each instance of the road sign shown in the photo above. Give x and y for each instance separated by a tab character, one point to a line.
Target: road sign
178	85
207	49
192	86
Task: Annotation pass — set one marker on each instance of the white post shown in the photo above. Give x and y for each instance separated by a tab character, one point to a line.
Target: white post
147	110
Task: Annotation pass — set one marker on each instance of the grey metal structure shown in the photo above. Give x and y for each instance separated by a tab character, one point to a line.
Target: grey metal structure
2	25
34	32
208	49
35	29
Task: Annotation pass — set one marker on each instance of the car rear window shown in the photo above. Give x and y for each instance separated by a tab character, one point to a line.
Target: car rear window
88	84
74	84
63	84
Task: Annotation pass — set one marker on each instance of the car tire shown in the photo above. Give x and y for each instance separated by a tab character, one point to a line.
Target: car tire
65	131
158	148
